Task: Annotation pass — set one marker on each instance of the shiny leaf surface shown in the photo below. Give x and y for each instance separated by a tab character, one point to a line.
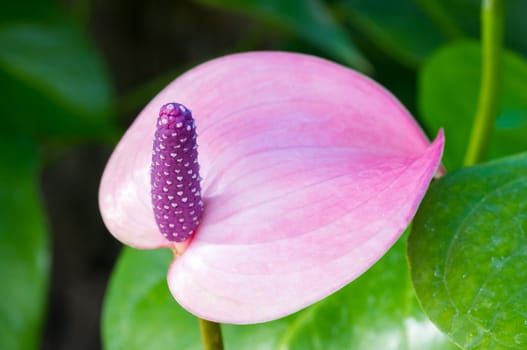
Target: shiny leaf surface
468	254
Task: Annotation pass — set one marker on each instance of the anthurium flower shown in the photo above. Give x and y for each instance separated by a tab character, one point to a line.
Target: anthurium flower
310	171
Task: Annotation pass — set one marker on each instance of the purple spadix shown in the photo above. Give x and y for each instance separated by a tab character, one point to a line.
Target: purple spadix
175	180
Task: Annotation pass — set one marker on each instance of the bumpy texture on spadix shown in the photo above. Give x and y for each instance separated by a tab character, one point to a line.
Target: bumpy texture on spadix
176	191
310	170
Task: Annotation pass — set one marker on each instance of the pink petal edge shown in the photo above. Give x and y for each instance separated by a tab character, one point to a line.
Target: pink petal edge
311	172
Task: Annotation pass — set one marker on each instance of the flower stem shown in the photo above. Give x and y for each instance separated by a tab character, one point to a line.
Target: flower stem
492	23
210	335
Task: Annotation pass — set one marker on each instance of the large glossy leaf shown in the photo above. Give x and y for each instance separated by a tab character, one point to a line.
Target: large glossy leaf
448	92
24	256
400	28
468	254
309	19
378	311
53	81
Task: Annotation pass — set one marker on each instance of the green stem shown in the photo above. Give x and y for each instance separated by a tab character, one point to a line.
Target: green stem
210	335
492	23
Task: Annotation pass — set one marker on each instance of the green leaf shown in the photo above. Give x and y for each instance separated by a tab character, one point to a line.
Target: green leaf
378	311
400	28
54	82
24	249
468	255
448	93
309	19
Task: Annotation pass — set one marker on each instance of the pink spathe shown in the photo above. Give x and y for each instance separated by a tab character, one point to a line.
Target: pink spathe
310	170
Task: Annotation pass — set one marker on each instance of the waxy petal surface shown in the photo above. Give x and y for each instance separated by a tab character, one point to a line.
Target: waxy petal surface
310	173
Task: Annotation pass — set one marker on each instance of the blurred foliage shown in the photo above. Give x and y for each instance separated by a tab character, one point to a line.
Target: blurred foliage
462	14
54	88
57	90
309	19
400	28
448	92
65	92
32	10
24	247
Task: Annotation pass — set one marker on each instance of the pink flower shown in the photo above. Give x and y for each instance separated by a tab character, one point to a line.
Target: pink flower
310	170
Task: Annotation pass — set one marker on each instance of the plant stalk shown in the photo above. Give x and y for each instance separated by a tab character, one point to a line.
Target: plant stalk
210	335
492	29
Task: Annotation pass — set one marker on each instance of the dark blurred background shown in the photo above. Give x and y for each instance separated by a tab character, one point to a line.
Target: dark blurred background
141	42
